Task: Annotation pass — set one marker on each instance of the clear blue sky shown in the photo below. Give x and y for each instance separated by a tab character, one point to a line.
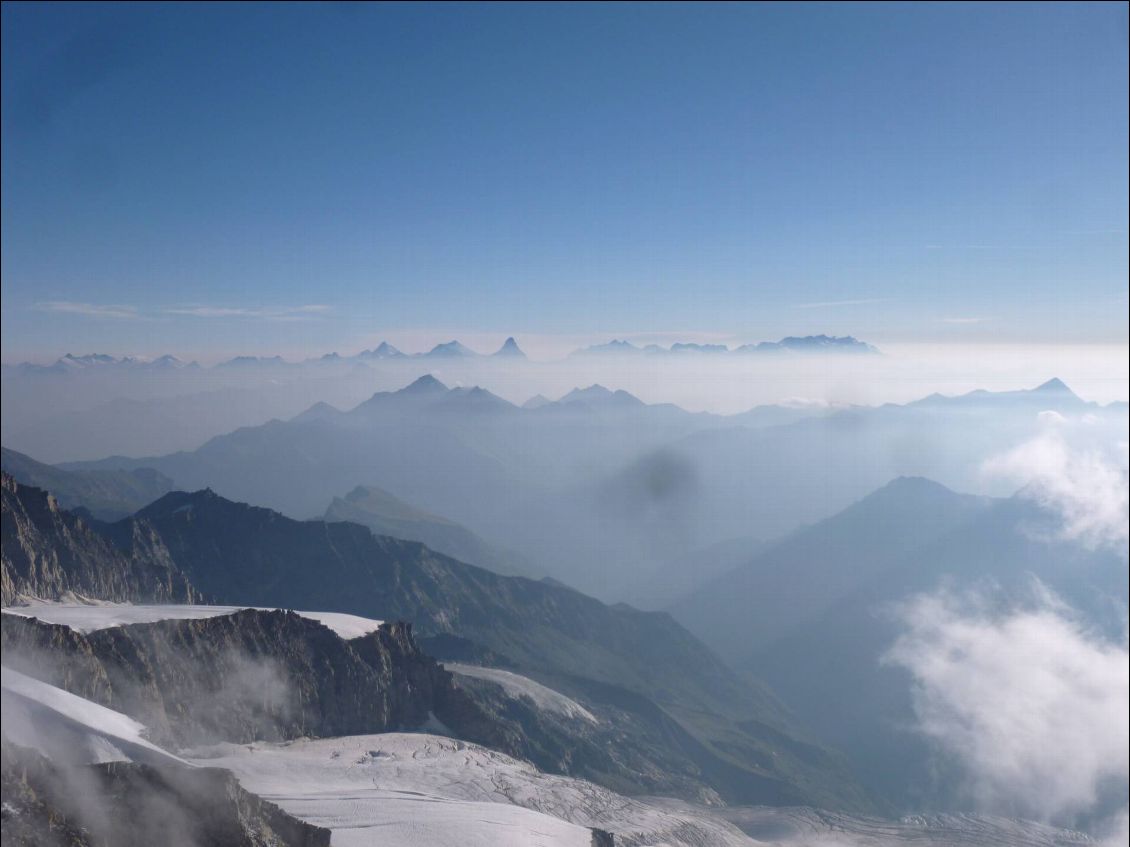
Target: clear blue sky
245	177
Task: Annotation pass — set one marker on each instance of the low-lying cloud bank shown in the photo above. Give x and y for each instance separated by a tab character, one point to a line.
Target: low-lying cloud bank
1079	478
1026	701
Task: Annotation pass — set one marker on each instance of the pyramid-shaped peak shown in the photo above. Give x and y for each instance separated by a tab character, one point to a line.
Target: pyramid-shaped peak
451	349
1054	385
599	394
318	412
384	350
593	392
909	485
510	349
427	384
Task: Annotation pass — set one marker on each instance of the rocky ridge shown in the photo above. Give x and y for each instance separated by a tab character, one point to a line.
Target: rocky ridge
50	553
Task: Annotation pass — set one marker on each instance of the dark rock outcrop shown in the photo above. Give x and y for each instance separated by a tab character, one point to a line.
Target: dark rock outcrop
252	675
50	553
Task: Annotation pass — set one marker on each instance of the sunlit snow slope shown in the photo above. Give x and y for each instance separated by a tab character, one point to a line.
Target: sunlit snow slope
61	725
411	788
428	791
516	685
91	617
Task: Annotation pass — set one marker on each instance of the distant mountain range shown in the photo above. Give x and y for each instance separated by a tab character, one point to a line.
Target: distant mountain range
791	344
510	351
100	361
384	351
599	477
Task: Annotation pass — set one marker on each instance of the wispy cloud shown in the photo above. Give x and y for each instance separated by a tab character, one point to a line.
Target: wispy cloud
123	312
91	310
963	320
829	304
278	313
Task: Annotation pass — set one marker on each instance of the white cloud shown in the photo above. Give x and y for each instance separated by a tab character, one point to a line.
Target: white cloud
963	320
260	313
1028	702
91	310
1087	486
271	313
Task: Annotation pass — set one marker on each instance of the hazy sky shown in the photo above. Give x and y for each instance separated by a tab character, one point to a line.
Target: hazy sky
260	178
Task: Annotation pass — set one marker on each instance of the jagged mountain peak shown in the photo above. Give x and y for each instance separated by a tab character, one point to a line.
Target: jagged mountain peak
319	411
179	502
1055	385
52	553
89	359
474	398
597	393
363	491
510	349
384	350
427	384
691	347
241	361
422	388
614	346
593	392
795	344
451	349
907	485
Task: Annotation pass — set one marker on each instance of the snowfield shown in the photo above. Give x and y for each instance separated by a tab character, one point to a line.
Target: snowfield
90	617
413	788
429	791
62	726
515	685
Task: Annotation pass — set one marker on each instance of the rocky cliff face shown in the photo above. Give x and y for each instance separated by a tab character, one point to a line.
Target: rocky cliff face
48	552
251	675
125	804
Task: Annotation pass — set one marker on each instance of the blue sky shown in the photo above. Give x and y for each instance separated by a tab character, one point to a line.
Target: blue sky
308	177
